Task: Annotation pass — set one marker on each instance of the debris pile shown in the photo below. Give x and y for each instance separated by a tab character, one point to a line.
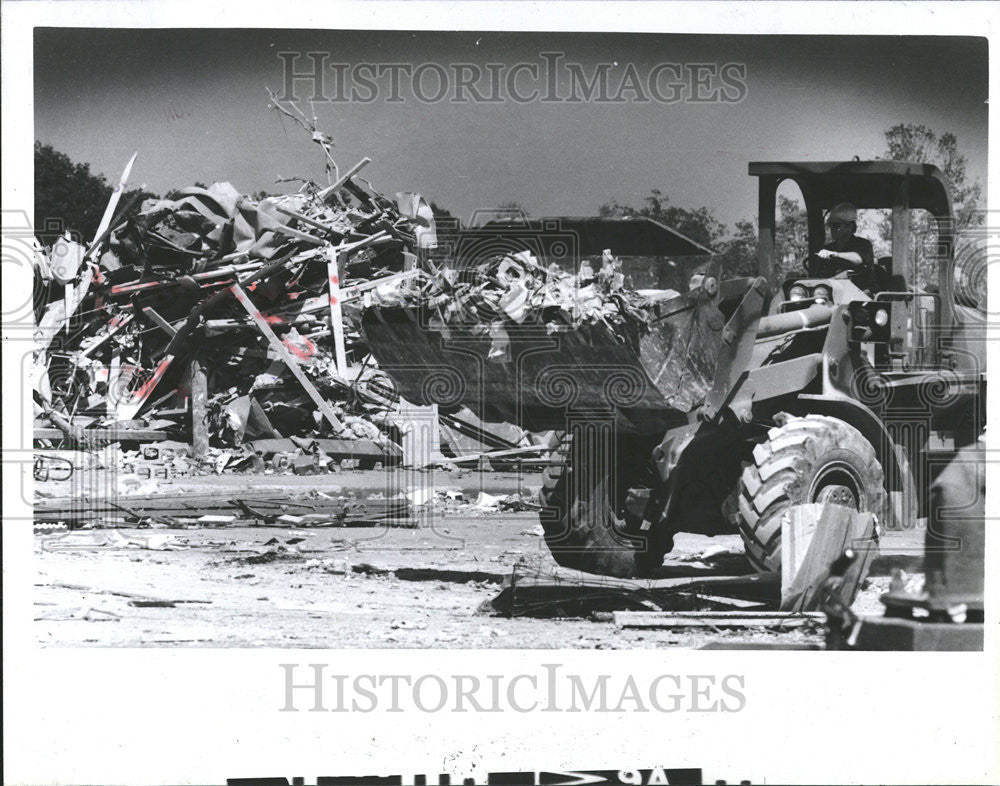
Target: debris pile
234	325
507	290
228	323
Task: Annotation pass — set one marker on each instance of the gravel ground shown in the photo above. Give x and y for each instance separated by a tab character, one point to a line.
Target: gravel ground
335	587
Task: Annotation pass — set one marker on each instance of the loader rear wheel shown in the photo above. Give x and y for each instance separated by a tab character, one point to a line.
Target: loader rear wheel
586	524
805	459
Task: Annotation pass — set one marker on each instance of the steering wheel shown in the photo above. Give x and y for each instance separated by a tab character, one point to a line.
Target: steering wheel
821	267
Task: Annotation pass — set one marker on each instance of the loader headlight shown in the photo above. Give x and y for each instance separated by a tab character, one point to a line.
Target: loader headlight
823	293
869	320
798	292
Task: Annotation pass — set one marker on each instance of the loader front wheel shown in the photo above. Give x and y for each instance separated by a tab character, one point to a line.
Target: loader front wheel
805	459
583	497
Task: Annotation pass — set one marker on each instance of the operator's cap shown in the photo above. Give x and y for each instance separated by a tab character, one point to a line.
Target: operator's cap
845	211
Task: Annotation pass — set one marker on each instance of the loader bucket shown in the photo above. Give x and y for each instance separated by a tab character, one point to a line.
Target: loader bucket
537	376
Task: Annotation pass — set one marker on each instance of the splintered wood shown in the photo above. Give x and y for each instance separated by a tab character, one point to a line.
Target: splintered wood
812	538
560	592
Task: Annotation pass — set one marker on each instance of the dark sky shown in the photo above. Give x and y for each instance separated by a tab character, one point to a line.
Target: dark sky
192	102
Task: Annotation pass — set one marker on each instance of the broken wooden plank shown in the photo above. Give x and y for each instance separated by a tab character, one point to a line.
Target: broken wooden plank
476	432
154	317
238	513
336	313
68	290
119	593
300	235
352	291
421	435
357	245
307	220
361	509
282	351
527	450
654	620
453	575
334	448
276	501
131	403
812	538
560	576
109	211
128	289
117	323
114	380
102	434
59	313
561	592
729	603
199	409
331	190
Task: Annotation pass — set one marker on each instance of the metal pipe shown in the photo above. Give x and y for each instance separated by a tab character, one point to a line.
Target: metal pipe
812	316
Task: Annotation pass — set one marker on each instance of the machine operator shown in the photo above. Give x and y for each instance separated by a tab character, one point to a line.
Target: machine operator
846	251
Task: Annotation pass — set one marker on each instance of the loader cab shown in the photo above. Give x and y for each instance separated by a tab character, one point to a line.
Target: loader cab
903	324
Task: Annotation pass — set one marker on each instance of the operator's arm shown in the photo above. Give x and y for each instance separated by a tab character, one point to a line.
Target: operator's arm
858	256
852	258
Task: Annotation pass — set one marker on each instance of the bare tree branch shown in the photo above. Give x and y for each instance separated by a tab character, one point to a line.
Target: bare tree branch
324	140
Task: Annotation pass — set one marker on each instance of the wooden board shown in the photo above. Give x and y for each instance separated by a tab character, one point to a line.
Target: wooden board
651	620
812	538
363	449
109	434
560	592
336	313
313	512
282	351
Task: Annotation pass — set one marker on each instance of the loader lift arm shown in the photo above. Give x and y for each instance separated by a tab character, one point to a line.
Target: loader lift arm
738	338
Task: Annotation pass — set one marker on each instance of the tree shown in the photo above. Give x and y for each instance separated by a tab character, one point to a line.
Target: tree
510	210
175	193
446	222
791	238
699	223
67	196
911	142
736	250
739	252
443	214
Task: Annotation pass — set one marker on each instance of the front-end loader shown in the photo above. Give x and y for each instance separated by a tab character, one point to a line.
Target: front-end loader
746	396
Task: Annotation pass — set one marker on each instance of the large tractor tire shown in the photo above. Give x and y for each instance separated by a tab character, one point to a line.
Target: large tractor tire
583	505
803	460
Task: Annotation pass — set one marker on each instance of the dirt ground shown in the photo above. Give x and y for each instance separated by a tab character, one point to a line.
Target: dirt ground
338	587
